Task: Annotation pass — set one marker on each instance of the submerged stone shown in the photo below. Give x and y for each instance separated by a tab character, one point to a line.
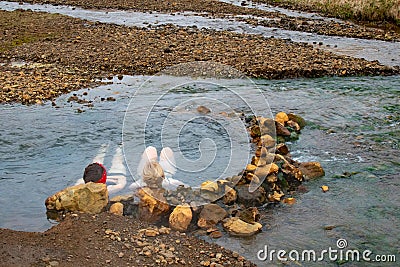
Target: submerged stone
311	170
237	227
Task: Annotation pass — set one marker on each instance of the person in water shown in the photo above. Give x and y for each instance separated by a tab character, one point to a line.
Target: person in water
154	173
95	172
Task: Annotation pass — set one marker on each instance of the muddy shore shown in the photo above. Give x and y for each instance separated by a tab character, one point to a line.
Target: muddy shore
111	240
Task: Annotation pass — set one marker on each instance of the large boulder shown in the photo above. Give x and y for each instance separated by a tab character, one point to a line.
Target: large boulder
152	204
210	215
237	227
180	218
90	198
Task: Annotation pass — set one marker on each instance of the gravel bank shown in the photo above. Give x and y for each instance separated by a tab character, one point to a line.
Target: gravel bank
82	51
216	8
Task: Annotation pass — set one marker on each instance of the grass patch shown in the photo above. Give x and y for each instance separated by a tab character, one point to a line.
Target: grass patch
364	10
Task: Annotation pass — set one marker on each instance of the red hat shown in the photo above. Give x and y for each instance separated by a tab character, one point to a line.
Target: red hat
96	173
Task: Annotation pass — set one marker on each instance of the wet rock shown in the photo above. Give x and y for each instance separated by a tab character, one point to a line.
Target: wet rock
311	170
209	186
210	215
281	130
249	215
128	202
298	119
272	178
282	149
117	208
180	218
264	171
230	195
267	141
292	175
90	198
256	198
152	204
203	110
215	234
275	197
289	200
255	131
267	124
211	191
237	227
294	126
251	168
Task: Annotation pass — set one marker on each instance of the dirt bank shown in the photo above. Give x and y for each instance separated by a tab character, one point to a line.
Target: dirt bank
110	240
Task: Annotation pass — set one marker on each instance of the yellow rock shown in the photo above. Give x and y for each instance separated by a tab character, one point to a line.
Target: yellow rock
238	227
289	200
152	204
117	208
180	218
230	195
90	198
251	168
209	186
151	232
281	117
275	197
325	188
264	171
267	140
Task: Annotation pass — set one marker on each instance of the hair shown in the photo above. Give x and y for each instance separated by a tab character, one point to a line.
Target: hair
153	174
93	173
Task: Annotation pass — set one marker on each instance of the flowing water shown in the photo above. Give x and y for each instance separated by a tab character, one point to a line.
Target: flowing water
353	130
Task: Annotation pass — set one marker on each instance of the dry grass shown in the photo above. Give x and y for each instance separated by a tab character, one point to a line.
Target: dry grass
366	10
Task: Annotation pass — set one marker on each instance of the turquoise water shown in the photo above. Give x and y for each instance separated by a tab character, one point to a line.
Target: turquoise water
353	130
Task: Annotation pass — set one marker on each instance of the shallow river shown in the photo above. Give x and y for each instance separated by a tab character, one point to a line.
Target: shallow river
353	130
353	126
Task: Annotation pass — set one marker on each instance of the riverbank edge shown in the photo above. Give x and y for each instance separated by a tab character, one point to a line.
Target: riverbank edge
111	240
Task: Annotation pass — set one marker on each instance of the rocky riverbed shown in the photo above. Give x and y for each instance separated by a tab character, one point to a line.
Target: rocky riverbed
216	8
79	52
